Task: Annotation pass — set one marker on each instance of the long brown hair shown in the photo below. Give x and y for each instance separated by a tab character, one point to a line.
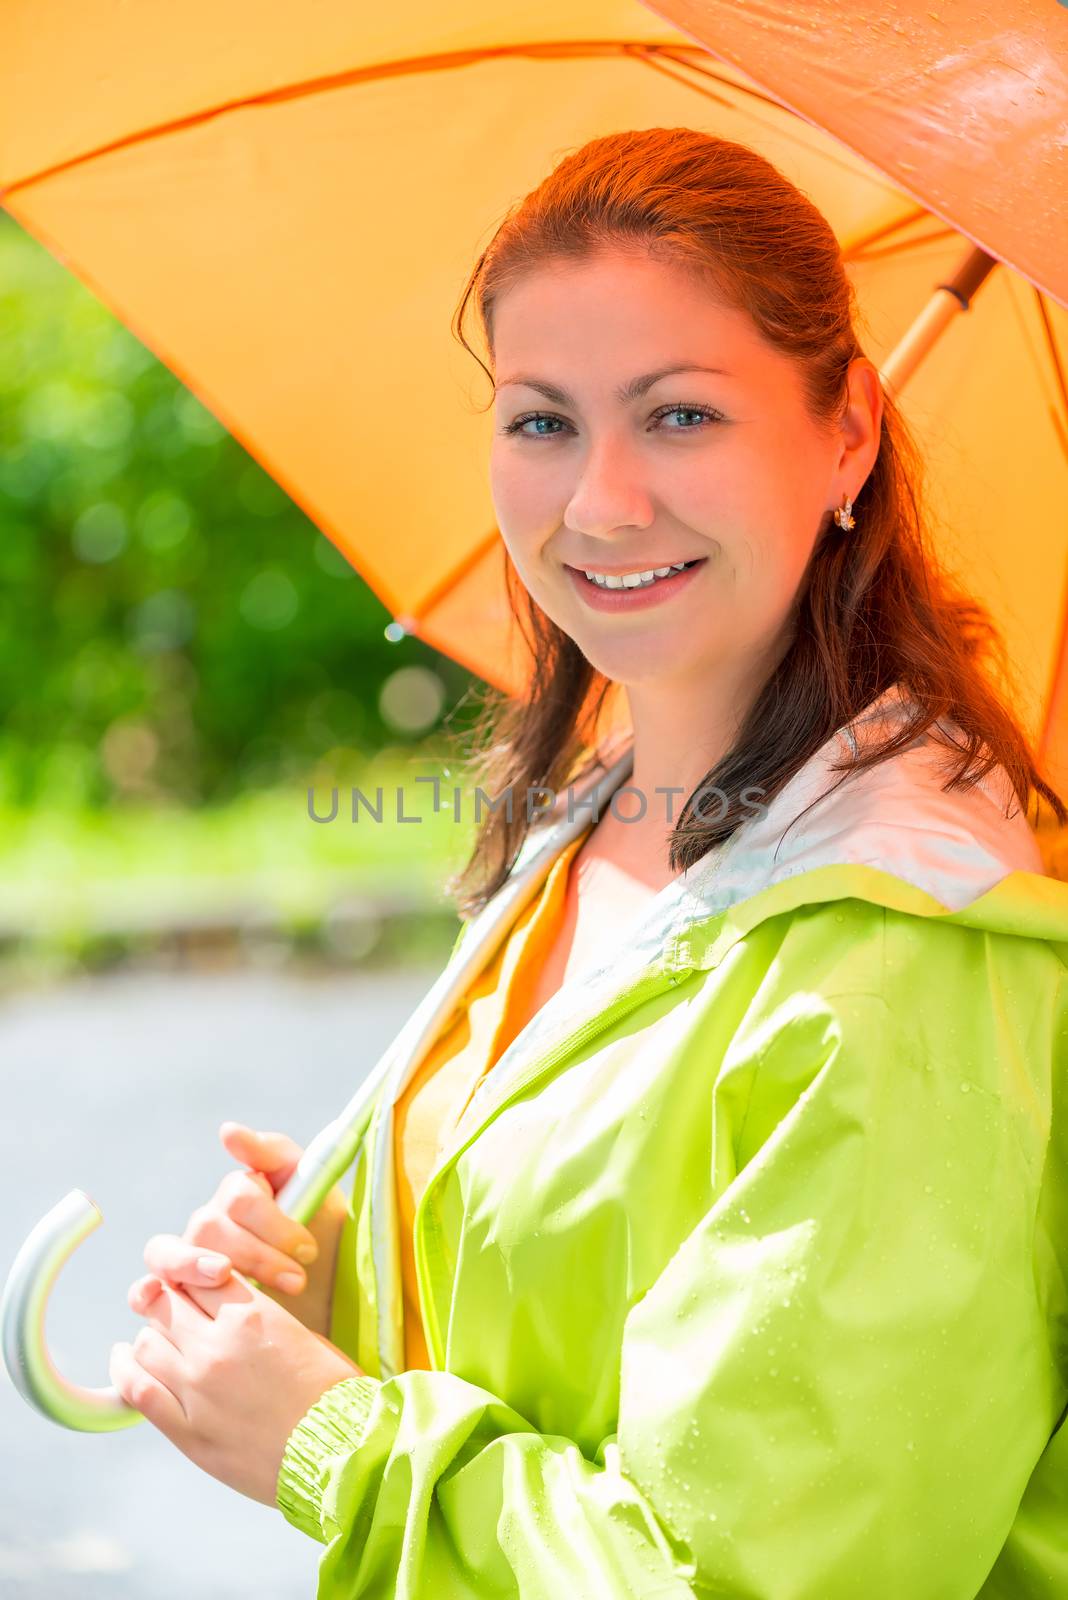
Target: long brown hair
874	609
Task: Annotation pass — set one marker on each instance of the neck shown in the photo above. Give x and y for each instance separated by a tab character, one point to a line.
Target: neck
681	731
675	744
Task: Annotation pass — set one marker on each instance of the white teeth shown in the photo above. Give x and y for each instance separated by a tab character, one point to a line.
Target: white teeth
632	580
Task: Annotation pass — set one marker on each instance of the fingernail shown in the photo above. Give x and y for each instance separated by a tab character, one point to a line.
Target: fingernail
211	1266
290	1281
306	1251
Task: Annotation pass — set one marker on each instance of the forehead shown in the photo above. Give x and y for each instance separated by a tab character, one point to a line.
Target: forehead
617	316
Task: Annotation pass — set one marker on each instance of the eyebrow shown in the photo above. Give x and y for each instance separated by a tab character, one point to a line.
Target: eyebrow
628	391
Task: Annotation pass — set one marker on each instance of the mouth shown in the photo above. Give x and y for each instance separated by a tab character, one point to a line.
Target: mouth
650	587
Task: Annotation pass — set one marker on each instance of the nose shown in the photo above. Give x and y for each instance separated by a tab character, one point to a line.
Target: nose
611	494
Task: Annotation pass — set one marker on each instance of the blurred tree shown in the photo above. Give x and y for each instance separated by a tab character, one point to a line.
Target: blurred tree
171	625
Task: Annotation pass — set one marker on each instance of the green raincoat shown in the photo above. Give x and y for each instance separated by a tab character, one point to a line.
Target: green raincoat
744	1273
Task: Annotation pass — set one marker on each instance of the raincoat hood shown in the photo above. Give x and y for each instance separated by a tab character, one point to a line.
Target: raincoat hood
896	817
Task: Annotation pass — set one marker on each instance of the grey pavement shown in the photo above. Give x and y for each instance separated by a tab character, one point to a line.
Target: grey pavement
117	1085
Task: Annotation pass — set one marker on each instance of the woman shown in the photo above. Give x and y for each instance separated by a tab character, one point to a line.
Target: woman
737	1274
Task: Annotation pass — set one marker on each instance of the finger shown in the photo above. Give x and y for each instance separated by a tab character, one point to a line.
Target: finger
156	1403
180	1311
274	1154
154	1347
175	1260
180	1261
143	1291
242	1199
178	1314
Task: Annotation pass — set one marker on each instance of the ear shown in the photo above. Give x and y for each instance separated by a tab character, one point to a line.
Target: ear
861	427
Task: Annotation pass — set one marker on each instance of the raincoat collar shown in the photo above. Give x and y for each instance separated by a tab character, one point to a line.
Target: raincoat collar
926	851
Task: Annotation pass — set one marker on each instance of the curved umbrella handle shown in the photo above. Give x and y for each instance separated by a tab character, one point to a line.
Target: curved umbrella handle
52	1243
22	1317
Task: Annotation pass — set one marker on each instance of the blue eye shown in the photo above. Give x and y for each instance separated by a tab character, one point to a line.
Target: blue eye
708	413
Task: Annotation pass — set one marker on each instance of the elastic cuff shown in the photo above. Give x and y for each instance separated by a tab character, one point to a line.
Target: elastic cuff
333	1426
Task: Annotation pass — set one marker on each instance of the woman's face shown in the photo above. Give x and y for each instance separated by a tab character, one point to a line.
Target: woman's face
725	470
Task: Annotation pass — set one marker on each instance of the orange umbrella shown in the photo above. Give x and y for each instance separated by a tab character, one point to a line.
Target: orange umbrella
285	208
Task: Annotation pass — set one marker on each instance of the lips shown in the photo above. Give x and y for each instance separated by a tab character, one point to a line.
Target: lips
637	596
660	569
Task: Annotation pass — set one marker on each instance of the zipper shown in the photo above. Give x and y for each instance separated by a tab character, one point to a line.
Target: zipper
649	982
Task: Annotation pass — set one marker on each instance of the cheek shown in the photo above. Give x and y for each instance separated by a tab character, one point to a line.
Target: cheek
764	568
527	513
518	489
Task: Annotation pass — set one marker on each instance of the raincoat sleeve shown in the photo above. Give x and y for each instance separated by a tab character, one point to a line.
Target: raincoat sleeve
841	1380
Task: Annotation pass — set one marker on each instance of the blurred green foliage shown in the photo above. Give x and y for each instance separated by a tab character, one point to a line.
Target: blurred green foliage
173	628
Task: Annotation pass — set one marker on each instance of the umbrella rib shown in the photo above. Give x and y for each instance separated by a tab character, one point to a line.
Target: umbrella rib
454	576
1052	739
654	56
437	62
1060	423
902	247
673	52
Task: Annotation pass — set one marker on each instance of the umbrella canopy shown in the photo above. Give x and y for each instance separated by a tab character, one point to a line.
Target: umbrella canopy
285	207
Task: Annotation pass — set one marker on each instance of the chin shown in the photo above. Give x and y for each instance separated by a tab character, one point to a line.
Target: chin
635	665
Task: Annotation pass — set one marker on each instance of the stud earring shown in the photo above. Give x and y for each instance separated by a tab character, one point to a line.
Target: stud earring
842	515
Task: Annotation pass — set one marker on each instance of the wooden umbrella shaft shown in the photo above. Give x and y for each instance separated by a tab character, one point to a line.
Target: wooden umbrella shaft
947	301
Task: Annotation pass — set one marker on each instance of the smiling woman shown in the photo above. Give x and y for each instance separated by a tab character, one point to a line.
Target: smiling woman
713	1244
691	318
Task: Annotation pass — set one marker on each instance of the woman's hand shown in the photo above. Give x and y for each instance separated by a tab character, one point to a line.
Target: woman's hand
241	1225
226	1374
